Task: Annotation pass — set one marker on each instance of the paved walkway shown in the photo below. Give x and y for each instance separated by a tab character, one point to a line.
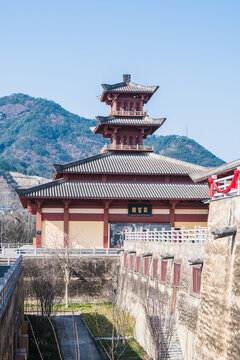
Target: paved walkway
70	342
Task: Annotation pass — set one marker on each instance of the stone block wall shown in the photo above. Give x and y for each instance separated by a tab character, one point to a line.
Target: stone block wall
137	289
11	321
90	279
218	330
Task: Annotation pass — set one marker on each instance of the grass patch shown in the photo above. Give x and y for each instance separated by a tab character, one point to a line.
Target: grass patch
99	319
131	351
45	338
62	308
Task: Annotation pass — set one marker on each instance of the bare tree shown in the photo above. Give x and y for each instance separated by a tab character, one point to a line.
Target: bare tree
63	258
17	227
120	319
44	281
161	320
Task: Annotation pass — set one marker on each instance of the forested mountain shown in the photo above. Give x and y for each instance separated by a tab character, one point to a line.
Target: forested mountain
35	132
183	148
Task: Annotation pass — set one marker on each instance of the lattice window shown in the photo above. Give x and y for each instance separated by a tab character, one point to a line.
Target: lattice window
118	140
125	140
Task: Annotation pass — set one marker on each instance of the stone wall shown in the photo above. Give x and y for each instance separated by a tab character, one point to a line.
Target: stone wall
90	279
11	321
137	290
219	312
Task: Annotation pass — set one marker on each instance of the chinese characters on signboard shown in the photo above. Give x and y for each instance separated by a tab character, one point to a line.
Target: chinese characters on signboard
138	209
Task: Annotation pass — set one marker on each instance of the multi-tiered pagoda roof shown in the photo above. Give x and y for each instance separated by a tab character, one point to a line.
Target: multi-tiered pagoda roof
110	187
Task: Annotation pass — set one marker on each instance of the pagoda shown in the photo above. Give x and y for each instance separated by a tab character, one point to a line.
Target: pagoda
127	123
92	202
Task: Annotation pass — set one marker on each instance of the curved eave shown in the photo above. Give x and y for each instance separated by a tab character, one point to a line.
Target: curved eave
110	198
120	173
104	94
60	189
98	128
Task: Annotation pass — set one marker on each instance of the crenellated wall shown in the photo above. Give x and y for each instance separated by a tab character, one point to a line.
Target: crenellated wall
137	287
218	329
11	321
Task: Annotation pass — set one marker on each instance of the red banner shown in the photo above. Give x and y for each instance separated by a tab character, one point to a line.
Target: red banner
232	185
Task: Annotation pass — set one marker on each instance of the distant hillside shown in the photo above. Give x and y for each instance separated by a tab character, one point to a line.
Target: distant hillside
183	148
9	181
35	132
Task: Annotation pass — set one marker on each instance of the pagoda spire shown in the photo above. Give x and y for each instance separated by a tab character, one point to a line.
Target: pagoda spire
127	124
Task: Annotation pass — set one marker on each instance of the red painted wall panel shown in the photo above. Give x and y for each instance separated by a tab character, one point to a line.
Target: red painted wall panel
176	274
85	217
138	263
163	271
124	218
52	217
155	268
196	284
191	217
146	266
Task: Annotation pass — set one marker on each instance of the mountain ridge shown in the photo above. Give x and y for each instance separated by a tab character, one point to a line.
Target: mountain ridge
36	132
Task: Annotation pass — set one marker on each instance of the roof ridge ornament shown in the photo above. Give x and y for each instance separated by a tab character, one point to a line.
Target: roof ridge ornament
126	77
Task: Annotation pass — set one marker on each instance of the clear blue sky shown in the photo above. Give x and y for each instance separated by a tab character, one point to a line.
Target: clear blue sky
64	50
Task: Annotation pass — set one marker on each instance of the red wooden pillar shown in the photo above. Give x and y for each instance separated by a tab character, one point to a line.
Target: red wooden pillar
105	224
172	212
39	225
65	225
114	140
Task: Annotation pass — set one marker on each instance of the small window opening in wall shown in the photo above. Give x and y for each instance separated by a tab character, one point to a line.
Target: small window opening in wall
125	260
196	280
118	140
163	271
155	268
138	261
176	274
131	262
146	266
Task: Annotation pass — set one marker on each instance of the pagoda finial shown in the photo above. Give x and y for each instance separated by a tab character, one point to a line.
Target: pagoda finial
126	77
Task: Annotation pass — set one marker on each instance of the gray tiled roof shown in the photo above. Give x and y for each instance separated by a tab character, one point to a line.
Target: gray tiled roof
100	190
129	87
144	120
130	163
216	170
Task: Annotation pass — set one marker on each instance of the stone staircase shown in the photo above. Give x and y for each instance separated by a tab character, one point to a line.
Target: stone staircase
175	351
